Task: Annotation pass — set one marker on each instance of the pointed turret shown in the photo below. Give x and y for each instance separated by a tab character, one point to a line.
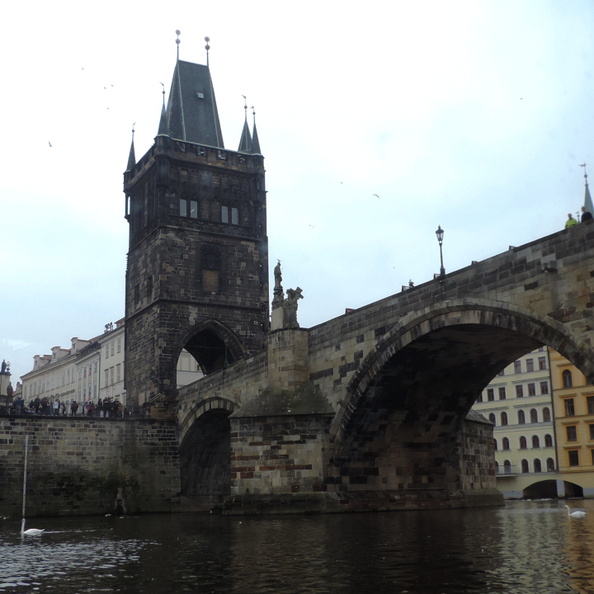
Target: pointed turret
255	141
587	198
163	127
245	143
132	155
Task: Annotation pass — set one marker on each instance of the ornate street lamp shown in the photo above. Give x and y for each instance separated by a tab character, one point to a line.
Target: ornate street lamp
439	234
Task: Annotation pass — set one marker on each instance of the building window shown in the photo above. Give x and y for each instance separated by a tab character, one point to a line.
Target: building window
531	389
551	465
519	391
591	431
517	367
193	209
495	444
501	393
548	441
535	441
569	408
490	394
571	432
521	417
542	363
537	466
503	419
592	455
523	443
525	467
119	345
544	387
573	456
529	364
183	207
590	403
533	416
546	414
492	419
480	397
229	214
505	443
567	379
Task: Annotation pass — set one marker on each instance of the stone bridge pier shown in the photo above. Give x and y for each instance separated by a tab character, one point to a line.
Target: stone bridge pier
371	410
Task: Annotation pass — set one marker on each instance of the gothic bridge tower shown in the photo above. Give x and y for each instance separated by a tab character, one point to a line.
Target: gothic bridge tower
197	273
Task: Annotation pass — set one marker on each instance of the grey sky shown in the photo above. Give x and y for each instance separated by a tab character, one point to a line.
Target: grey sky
470	115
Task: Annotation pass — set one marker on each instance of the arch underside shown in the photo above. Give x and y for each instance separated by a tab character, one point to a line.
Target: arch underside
403	425
205	457
213	345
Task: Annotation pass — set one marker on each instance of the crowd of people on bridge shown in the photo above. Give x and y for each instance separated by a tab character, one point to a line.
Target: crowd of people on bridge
106	408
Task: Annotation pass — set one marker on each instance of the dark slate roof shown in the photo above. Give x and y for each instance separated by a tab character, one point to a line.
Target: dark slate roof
192	108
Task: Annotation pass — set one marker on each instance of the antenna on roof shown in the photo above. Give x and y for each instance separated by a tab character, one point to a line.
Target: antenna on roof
207	47
177	41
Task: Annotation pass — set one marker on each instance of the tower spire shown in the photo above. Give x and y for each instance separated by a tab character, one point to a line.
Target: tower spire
245	143
587	198
255	141
132	155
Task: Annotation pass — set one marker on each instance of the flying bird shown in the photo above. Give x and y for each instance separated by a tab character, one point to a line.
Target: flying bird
376	195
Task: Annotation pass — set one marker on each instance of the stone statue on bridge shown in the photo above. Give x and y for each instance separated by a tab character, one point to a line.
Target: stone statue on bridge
284	310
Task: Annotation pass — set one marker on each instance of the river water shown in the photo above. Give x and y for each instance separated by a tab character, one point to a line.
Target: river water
525	547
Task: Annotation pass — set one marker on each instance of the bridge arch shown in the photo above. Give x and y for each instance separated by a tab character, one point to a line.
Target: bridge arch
213	344
205	436
476	338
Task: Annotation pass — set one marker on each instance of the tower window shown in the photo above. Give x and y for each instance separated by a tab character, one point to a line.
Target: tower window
230	214
188	208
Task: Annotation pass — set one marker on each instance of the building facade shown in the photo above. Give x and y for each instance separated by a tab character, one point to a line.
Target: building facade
90	371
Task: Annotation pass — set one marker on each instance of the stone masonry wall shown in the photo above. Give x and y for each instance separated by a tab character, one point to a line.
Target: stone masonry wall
79	466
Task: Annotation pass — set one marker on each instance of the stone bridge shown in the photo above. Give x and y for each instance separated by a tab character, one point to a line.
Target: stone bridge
370	410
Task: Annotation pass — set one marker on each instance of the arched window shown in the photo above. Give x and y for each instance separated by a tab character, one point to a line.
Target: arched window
505	443
525	467
521	417
567	379
550	465
523	443
496	467
495	444
503	418
535	441
533	415
546	414
507	467
548	441
492	418
537	466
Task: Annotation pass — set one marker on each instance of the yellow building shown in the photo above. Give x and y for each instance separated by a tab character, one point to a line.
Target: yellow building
573	402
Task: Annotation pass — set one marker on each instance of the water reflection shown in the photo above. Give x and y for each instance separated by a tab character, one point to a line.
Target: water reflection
524	547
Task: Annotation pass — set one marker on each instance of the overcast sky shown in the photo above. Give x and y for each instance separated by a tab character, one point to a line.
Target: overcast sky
378	121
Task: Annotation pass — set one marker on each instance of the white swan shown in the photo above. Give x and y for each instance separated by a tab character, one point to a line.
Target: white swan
578	513
32	532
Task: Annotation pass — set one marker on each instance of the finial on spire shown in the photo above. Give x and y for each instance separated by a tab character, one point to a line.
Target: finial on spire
245	106
207	48
177	42
163	91
585	172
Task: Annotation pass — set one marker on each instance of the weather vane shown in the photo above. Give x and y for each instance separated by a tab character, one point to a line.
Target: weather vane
585	171
178	41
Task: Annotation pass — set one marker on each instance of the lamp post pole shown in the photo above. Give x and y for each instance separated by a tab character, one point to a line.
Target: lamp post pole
439	234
